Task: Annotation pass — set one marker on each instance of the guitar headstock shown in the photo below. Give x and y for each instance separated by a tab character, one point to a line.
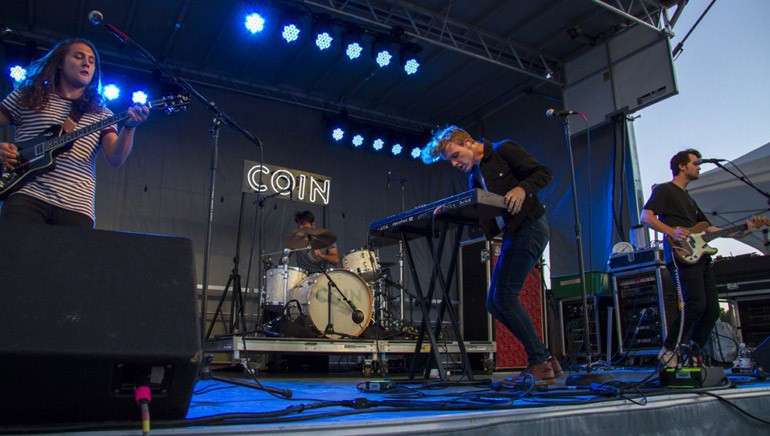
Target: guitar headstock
759	221
171	103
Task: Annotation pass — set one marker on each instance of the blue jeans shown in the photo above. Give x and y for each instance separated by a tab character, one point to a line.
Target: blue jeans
521	250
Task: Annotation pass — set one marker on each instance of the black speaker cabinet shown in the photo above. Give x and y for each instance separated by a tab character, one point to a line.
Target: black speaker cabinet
87	316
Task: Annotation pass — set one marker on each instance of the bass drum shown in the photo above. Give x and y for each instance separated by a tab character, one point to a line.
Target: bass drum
274	283
362	262
312	296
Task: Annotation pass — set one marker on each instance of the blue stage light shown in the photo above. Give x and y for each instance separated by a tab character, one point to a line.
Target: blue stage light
254	23
383	58
357	141
324	40
396	149
17	73
354	50
411	66
290	32
416	152
377	144
409	59
139	97
338	133
111	92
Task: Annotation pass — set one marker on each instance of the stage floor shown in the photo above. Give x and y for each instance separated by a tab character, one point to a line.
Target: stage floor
630	402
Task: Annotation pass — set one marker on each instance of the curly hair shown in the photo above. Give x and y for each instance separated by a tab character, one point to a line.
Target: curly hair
682	158
44	75
440	140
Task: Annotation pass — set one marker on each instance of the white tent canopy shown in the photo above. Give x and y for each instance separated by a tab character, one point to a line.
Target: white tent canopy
728	201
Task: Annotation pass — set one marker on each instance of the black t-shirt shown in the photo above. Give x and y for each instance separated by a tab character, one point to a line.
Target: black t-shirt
674	206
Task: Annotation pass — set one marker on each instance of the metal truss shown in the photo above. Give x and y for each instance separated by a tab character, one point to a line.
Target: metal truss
438	29
649	13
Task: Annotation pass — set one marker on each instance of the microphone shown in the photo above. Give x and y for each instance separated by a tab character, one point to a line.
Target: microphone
388	180
553	113
96	18
712	160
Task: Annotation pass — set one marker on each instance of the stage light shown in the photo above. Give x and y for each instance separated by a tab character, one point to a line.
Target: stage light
416	152
352	42
396	149
338	133
357	140
323	40
111	92
353	50
139	97
381	52
17	73
254	23
409	59
377	144
290	32
383	58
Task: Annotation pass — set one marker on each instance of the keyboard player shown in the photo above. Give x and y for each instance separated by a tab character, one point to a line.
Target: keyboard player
505	168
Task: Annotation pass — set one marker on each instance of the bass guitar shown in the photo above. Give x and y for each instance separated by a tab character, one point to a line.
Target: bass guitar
38	155
695	246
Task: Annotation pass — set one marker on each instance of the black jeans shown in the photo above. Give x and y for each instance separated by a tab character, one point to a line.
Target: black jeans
20	208
701	303
521	250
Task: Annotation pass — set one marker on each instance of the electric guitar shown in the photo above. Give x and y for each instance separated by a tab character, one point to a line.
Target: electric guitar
38	155
695	246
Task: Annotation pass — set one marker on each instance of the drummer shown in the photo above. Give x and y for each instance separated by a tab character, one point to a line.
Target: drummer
314	260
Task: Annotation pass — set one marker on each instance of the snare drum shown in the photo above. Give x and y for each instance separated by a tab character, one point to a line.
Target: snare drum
274	283
362	262
312	295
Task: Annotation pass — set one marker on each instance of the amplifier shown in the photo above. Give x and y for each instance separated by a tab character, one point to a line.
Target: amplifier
636	259
742	276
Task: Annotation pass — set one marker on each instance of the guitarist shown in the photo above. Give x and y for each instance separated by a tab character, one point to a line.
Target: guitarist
671	211
62	88
505	168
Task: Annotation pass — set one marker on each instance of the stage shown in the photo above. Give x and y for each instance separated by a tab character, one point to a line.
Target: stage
631	402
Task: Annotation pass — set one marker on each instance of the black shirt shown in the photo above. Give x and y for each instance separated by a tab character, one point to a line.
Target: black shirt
506	165
674	206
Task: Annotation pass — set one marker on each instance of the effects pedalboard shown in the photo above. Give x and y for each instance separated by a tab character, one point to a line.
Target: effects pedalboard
692	377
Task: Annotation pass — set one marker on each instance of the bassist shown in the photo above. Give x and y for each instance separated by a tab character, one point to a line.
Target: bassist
671	211
62	88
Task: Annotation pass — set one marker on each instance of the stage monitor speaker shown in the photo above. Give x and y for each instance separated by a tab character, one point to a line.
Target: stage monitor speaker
87	316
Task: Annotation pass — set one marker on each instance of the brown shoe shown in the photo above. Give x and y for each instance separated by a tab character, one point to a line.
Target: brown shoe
557	371
541	372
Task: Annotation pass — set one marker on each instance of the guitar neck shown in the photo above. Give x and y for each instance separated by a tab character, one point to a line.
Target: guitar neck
724	232
79	133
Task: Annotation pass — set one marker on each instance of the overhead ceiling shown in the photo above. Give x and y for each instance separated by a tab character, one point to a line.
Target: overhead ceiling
477	55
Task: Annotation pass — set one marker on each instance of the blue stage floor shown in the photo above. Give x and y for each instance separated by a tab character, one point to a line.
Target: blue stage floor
632	402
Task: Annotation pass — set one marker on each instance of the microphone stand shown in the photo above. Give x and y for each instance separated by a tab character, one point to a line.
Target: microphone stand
217	119
743	178
588	378
329	325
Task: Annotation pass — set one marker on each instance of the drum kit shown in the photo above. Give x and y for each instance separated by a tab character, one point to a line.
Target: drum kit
338	303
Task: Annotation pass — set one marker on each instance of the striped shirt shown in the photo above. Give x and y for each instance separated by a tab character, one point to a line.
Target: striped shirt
72	184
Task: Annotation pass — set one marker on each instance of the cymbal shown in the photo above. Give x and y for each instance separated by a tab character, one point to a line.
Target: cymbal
313	237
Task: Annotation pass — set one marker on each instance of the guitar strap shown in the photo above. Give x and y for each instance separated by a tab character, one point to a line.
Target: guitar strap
72	120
